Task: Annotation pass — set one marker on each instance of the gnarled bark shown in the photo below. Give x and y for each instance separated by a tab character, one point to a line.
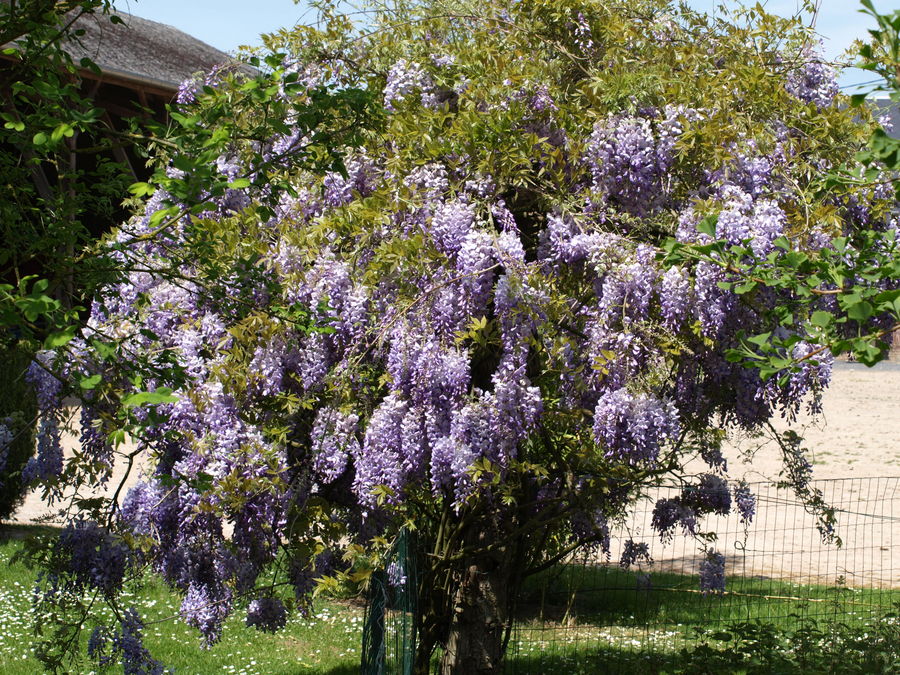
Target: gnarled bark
476	640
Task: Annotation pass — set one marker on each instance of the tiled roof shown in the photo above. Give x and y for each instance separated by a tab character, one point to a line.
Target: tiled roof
142	50
892	110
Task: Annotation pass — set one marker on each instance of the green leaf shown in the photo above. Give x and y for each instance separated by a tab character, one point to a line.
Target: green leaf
821	319
734	356
888	299
708	225
90	503
141	189
167	480
89	382
105	350
239	183
760	340
60	338
40	138
184	163
161	395
88	64
202	482
63	130
782	243
159	216
860	311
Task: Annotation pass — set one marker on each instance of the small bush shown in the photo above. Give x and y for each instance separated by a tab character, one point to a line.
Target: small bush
815	647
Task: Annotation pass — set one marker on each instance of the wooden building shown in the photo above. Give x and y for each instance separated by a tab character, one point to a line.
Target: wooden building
142	64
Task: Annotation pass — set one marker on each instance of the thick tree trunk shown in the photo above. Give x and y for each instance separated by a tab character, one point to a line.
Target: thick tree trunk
476	641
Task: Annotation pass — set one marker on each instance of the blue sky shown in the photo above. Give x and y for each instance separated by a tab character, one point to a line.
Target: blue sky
226	24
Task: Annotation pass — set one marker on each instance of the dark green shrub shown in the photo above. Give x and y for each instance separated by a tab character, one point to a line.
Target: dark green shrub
17	413
832	646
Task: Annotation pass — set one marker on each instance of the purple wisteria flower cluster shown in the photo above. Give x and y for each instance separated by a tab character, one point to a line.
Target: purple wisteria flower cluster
813	80
267	614
634	428
629	158
6	438
403	79
745	502
92	558
712	573
125	645
711	494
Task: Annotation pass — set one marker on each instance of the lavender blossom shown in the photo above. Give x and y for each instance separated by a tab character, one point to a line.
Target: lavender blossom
633	552
671	512
627	290
743	218
633	428
380	461
48	461
430	179
450	225
813	81
396	575
136	660
205	607
675	297
711	495
712	573
94	442
583	36
6	439
47	387
745	502
92	557
542	101
404	78
476	257
267	614
810	379
188	90
628	162
333	441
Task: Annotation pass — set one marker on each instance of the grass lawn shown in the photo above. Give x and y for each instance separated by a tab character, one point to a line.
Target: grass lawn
610	623
327	642
583	620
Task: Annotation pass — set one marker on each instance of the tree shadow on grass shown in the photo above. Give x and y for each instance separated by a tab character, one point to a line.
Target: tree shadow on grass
15	532
590	661
339	670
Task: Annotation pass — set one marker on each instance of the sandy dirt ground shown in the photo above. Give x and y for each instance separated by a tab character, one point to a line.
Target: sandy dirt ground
855	451
34	510
854	447
857	435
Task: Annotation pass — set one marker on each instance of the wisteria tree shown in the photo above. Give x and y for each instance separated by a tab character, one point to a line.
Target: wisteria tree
466	328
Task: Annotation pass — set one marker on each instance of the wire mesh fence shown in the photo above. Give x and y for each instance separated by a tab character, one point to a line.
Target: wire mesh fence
389	636
589	614
778	571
